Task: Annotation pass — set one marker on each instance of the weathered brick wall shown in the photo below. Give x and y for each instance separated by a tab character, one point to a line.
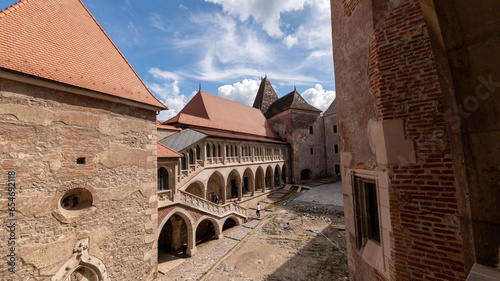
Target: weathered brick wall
349	6
385	70
43	132
426	243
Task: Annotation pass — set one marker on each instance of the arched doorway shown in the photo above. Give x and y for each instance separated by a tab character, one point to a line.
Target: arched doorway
205	231
259	179
196	188
229	223
277	176
216	185
233	185
305	175
173	237
248	182
269	177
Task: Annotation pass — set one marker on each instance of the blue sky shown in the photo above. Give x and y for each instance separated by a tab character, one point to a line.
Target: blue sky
226	45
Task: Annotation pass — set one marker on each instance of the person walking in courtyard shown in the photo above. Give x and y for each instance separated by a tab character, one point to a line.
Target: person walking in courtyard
258	210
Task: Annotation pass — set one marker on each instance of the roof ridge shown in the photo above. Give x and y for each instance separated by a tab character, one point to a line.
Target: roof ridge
118	50
13	7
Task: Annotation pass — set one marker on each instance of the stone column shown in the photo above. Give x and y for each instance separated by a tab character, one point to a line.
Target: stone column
224	191
191	247
240	190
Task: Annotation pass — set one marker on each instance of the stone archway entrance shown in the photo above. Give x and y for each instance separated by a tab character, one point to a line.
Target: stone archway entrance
173	237
305	174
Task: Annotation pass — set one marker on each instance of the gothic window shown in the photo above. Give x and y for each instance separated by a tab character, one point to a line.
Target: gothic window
183	162
198	152
208	150
191	157
213	151
219	151
162	179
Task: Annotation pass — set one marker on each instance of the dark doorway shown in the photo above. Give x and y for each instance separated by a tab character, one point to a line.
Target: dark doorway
234	189
305	174
245	184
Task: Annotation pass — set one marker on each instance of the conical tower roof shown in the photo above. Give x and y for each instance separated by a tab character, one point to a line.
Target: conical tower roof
265	96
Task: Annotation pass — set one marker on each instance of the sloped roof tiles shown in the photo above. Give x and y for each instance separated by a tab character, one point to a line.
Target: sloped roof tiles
209	111
61	41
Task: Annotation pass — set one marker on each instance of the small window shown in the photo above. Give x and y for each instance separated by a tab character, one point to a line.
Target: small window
336	148
80	160
311	130
198	152
312	151
334	129
366	211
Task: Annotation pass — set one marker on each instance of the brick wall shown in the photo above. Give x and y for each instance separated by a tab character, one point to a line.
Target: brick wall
426	242
349	6
43	132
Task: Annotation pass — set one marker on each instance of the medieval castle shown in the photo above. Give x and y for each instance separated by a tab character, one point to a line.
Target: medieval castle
94	185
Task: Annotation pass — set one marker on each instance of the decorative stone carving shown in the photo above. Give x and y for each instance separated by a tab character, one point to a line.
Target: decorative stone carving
81	266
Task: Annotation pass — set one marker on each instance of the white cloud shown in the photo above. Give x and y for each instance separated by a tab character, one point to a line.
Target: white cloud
265	12
157	21
163	74
134	36
290	40
318	97
243	92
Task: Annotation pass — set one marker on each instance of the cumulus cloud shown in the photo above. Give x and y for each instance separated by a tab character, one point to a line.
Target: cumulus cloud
166	88
265	12
290	41
243	92
318	97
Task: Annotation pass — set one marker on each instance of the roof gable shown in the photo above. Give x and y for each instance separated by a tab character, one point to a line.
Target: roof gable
61	41
332	109
292	100
220	113
163	151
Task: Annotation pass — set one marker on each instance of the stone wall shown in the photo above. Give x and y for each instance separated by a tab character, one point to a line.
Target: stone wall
293	127
331	139
43	133
392	121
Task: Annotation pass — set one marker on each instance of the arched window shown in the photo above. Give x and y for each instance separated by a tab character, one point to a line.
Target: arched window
232	151
208	150
213	151
191	157
219	153
236	148
183	162
227	150
162	179
198	152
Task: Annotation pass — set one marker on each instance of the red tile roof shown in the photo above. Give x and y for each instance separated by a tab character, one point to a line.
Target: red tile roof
61	41
166	152
209	111
159	125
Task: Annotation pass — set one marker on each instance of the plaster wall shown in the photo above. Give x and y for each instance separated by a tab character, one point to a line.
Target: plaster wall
43	132
331	139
